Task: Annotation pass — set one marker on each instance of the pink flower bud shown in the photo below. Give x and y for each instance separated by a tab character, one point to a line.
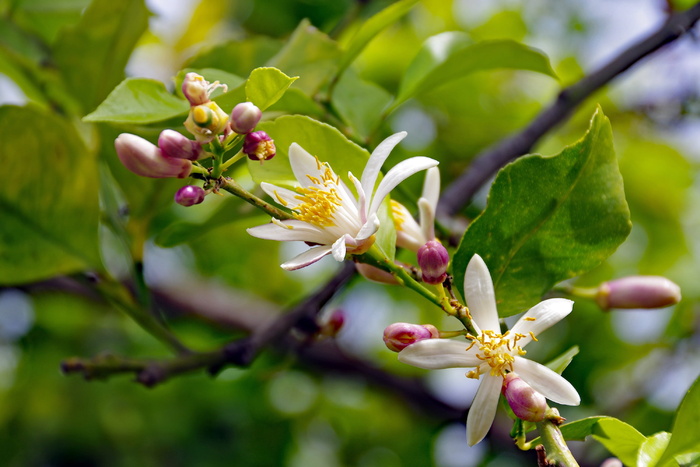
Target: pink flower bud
433	260
398	336
527	404
195	88
145	159
206	121
189	195
259	146
174	144
375	274
638	292
244	117
332	325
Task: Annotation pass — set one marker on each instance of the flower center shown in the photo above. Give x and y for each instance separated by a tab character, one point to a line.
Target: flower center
319	202
498	351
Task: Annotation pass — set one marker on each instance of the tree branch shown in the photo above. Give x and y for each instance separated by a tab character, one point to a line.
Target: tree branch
488	162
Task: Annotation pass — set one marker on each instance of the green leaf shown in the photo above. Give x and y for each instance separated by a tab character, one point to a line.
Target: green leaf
371	28
47	17
360	103
138	101
309	54
265	86
449	56
92	54
549	218
652	448
237	56
621	439
49	203
686	427
329	145
560	363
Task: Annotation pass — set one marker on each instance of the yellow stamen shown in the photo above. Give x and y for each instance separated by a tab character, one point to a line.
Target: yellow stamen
319	202
532	334
530	318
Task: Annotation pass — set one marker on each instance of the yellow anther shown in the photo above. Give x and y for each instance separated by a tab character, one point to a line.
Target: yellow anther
532	334
281	200
530	318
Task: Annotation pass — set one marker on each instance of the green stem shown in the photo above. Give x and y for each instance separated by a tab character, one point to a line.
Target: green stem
235	189
225	166
554	441
197	169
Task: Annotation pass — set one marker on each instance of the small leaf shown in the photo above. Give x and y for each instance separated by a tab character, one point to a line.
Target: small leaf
371	28
265	86
49	206
622	440
92	54
686	427
139	101
652	448
560	363
309	54
549	219
449	56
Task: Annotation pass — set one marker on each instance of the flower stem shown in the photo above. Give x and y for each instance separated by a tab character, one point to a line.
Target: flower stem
235	189
225	166
553	440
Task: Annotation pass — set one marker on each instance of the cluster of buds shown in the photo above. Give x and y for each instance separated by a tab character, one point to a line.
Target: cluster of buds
171	158
398	336
638	292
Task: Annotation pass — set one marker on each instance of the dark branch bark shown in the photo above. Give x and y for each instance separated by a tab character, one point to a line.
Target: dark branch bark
487	163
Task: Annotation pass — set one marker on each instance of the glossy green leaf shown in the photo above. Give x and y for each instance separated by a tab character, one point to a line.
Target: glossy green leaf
138	101
371	28
450	55
685	427
329	145
92	54
549	218
267	85
578	430
622	440
294	101
560	363
360	103
309	54
652	448
49	204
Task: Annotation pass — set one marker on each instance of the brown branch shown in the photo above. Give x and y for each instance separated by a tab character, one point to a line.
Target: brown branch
488	162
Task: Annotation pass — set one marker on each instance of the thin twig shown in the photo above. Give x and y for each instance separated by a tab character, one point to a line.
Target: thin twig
487	163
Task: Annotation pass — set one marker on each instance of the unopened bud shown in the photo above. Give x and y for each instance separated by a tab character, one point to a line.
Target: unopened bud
259	146
375	274
174	144
197	90
244	117
398	336
333	323
205	121
638	292
527	404
433	260
146	159
189	195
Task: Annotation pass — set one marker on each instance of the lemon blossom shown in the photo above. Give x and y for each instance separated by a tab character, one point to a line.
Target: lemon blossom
409	233
491	354
326	213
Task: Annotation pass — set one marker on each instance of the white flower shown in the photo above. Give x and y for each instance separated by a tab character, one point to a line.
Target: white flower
325	211
409	233
493	354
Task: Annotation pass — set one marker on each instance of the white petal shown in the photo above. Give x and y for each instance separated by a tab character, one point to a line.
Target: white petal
427	219
361	198
339	249
303	165
369	229
431	186
483	408
547	382
306	258
300	231
545	314
436	354
481	299
398	174
377	159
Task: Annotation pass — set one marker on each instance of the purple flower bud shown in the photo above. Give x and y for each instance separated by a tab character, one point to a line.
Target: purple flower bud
332	325
174	144
398	336
259	146
146	159
433	260
527	404
195	88
244	117
189	195
638	292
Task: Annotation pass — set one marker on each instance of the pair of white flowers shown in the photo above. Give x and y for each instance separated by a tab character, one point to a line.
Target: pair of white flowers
327	215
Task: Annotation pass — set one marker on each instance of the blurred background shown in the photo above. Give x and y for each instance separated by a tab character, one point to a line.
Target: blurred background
634	365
